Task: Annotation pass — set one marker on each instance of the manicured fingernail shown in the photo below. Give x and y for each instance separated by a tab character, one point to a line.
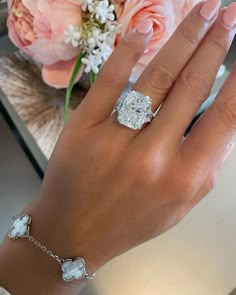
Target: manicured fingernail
229	16
145	27
228	151
210	9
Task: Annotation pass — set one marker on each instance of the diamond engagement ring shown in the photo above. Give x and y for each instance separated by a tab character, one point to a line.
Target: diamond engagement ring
135	110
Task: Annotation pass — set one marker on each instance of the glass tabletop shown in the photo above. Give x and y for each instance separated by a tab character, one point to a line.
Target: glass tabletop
6	48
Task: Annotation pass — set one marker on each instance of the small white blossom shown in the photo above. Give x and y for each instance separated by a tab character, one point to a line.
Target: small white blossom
104	11
72	36
92	63
96	33
105	50
86	4
91	8
91	43
96	37
113	27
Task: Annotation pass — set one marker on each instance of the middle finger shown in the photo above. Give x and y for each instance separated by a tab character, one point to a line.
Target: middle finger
161	74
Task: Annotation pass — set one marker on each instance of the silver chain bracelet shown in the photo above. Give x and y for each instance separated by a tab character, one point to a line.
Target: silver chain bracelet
72	268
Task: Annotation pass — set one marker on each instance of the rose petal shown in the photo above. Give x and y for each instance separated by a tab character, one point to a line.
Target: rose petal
58	75
40	30
31	5
10	4
43	51
14	35
165	15
70	14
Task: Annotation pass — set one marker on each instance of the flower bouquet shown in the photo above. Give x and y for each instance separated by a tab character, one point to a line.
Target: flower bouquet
70	37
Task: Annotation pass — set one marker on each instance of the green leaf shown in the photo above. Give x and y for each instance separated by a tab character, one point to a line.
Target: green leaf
93	77
74	74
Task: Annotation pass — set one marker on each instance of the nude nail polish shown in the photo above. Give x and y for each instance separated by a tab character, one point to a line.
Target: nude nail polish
229	16
210	9
145	27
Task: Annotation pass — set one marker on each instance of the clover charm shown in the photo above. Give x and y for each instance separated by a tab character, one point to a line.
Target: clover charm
20	227
73	269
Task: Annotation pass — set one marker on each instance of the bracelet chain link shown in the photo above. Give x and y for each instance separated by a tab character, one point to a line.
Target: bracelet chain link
45	249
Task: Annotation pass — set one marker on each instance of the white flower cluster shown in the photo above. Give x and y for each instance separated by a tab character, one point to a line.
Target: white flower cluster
96	36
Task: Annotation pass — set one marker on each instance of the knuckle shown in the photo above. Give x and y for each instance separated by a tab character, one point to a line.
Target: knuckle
189	36
131	43
145	168
209	184
181	191
196	84
147	173
110	75
219	43
186	186
158	79
226	112
184	191
114	70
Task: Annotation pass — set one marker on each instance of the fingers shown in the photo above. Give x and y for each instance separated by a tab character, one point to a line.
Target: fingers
194	84
114	76
215	129
163	71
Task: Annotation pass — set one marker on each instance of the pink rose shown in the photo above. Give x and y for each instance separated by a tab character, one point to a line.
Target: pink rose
183	7
166	16
37	27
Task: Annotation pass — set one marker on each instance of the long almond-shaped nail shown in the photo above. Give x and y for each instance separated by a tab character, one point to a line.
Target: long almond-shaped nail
229	16
228	151
145	27
210	9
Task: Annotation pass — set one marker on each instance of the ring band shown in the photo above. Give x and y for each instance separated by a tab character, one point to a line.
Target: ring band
135	110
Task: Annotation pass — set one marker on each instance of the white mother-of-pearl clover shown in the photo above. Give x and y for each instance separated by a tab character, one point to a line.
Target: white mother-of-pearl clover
20	226
73	269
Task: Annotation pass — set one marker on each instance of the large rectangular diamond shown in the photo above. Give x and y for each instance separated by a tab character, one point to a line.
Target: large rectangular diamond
135	110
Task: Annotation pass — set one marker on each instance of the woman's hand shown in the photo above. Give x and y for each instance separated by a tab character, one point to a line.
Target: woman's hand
113	188
108	188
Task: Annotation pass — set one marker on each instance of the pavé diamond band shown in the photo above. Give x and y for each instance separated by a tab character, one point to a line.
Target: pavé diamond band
135	110
71	269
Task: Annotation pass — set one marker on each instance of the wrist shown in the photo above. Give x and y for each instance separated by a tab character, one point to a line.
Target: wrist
65	237
26	269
